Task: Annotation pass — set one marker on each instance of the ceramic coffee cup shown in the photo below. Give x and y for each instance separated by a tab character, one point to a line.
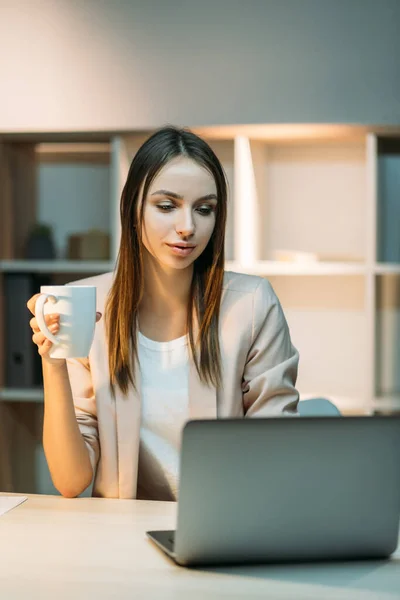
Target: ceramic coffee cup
76	306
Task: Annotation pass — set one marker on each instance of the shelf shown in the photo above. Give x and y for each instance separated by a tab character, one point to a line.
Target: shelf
306	196
387	269
257	268
55	266
387	404
288	268
21	394
74	152
298	132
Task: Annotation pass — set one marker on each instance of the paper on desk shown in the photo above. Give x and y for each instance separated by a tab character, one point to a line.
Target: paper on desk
9	502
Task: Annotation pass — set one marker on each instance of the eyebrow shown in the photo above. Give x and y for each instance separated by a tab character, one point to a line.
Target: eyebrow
178	197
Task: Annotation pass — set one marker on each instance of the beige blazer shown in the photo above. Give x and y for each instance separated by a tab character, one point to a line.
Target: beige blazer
259	366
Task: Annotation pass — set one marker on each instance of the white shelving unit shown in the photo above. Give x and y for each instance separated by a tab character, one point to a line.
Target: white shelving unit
304	190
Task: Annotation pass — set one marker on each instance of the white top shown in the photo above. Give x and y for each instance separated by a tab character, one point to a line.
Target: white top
164	369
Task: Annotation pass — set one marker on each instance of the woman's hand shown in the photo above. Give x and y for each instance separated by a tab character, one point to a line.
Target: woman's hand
53	323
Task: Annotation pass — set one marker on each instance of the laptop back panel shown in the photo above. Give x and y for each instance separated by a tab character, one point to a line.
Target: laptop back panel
284	489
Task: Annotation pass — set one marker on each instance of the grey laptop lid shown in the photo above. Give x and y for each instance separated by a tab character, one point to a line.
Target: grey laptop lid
277	489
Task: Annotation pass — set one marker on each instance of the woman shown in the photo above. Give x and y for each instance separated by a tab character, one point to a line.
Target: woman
180	338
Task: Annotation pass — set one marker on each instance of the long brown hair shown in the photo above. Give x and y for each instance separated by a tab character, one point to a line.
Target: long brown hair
127	289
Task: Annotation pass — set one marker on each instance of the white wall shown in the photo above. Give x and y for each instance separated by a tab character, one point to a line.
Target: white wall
121	64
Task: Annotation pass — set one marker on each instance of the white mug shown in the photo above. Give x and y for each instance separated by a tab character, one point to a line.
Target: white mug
76	305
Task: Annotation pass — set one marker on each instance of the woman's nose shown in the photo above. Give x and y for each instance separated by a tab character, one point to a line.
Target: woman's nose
185	225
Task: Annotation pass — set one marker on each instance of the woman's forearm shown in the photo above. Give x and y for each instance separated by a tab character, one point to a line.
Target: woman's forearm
65	449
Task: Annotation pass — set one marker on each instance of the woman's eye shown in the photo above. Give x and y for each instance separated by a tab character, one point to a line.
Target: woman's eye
165	207
205	210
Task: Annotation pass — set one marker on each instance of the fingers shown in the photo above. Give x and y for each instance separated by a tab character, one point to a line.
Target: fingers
41	340
49	319
45	347
38	338
53	318
31	304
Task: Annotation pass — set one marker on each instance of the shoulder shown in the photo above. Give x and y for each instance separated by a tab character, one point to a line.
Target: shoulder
247	285
102	283
251	300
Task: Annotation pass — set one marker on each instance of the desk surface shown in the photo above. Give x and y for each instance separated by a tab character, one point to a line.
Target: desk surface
59	548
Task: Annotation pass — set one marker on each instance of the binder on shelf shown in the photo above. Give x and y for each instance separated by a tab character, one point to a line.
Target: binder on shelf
22	361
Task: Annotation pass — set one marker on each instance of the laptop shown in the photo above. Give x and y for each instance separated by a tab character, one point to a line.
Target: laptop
286	489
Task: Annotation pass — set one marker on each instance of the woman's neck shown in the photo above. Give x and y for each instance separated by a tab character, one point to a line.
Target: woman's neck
166	292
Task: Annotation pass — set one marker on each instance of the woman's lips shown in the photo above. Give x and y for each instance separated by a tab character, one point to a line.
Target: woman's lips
179	251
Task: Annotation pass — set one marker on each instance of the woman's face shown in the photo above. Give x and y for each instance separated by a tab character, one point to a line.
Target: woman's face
179	213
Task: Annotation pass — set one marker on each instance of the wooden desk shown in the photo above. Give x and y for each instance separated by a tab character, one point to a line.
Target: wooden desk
58	548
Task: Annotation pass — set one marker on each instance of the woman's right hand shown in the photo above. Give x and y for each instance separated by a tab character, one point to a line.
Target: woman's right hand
53	323
44	345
